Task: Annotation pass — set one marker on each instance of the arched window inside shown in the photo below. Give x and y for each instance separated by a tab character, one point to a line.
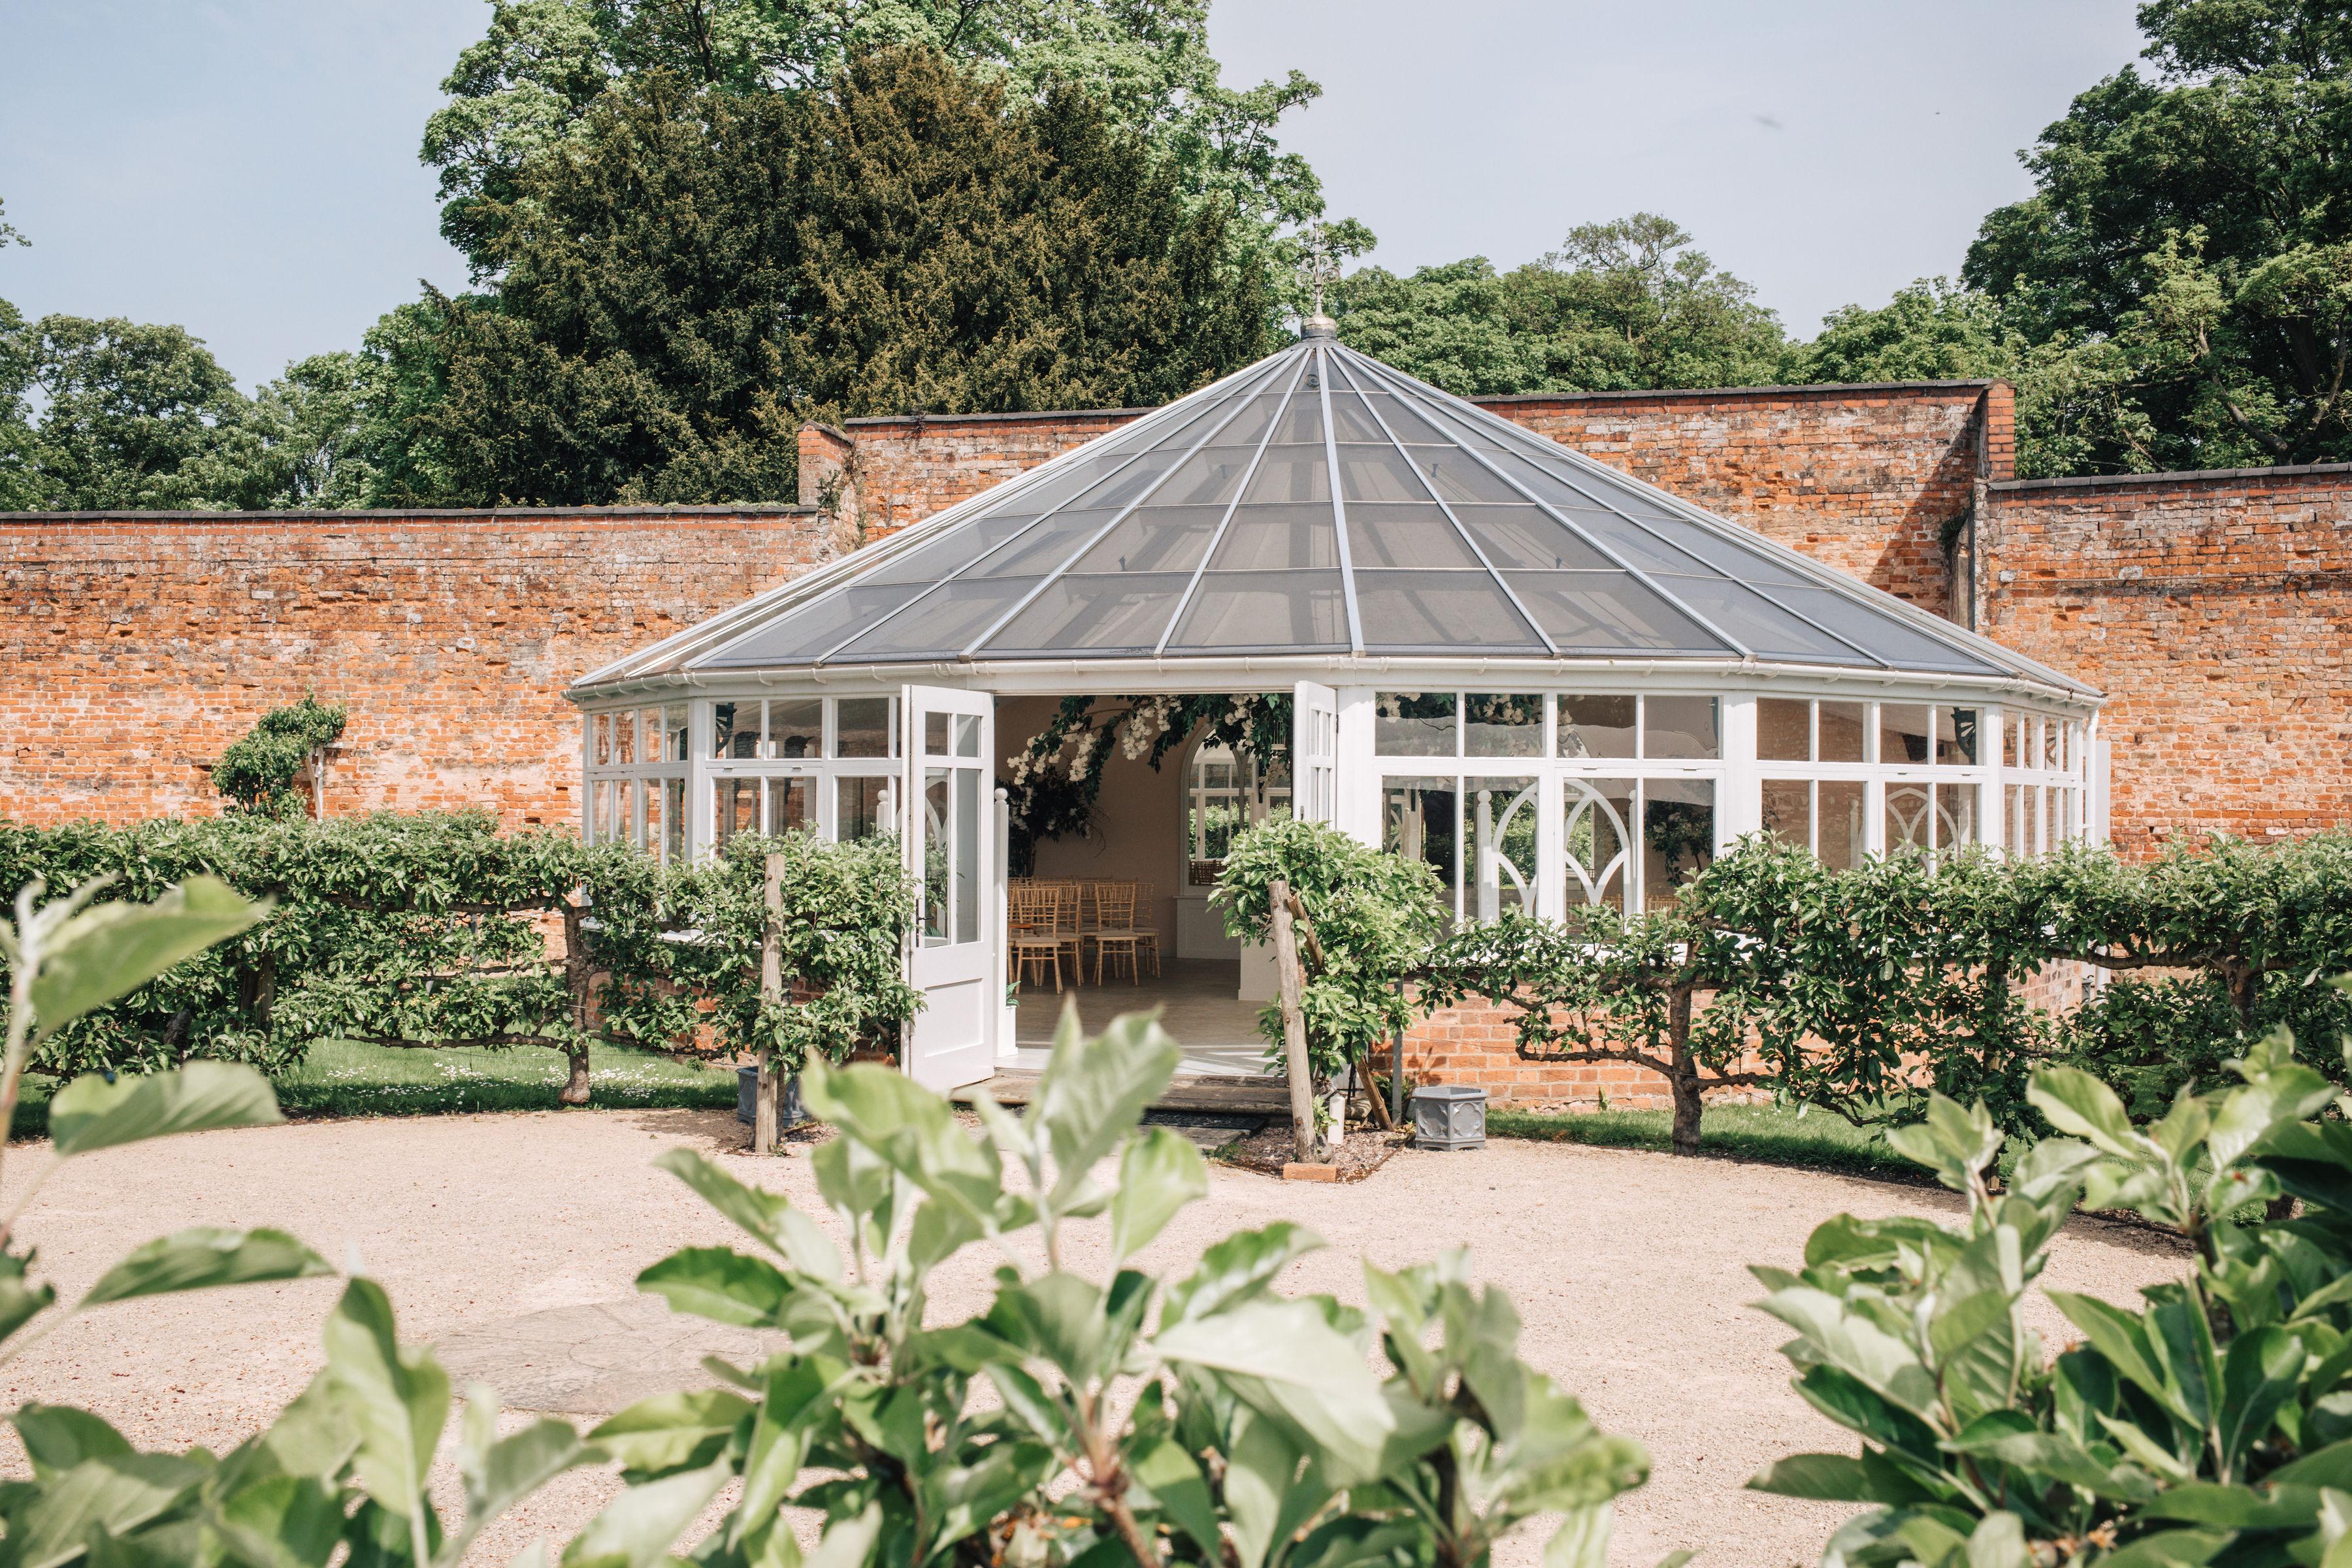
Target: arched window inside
1224	793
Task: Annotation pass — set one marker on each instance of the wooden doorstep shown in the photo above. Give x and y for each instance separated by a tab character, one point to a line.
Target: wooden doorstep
1188	1091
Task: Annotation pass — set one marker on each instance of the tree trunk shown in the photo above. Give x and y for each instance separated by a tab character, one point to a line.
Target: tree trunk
578	976
772	995
1293	1028
1688	1104
576	1088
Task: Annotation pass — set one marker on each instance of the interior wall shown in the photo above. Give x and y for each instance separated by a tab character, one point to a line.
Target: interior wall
1138	820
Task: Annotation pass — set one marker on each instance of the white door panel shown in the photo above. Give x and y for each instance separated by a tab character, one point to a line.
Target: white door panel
950	844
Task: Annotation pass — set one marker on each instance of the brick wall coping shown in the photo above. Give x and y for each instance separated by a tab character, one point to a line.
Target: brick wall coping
1026	417
1717	394
2180	476
750	508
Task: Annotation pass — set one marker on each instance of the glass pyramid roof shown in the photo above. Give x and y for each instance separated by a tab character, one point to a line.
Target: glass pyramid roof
1320	503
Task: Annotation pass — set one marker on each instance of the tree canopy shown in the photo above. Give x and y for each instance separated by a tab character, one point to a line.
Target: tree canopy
1630	303
697	275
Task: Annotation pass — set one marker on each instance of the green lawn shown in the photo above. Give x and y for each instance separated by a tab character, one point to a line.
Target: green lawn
1765	1132
343	1078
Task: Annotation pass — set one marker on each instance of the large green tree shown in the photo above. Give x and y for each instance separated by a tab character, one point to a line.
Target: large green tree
528	87
1625	304
694	274
2185	262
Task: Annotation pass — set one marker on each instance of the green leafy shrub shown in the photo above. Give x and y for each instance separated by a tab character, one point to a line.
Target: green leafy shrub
1372	915
259	770
2211	1424
1207	1420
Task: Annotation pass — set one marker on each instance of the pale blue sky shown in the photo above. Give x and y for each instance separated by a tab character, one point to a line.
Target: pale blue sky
247	168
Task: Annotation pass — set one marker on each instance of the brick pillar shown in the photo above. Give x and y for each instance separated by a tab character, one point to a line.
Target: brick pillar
828	478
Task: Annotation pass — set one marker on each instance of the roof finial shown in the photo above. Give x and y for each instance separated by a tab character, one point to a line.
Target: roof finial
1320	263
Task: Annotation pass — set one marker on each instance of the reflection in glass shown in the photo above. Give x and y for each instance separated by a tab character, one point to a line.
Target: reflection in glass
599	742
1784	730
674	817
1417	821
1501	814
625	737
937	787
1841	824
1502	726
1902	737
1596	726
1677	836
792	805
1842	729
1788	811
862	727
859	808
796	727
1414	724
1955	815
674	741
1600	816
935	735
966	855
734	808
966	735
1956	736
1679	727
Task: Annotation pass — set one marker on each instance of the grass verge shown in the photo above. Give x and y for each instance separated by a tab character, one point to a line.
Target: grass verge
345	1077
1768	1133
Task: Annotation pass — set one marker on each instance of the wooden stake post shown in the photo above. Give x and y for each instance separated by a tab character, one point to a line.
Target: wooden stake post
1294	1025
772	994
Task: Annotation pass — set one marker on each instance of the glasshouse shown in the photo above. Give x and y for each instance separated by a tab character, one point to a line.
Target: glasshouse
1555	684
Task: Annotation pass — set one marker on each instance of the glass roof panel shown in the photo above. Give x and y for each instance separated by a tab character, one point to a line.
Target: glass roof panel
1769	631
1302	420
1243	612
1378	473
806	633
1600	612
1209	476
1291	473
950	551
1527	536
1905	647
1435	611
1459	477
1121	612
1728	556
1403	422
1352	420
941	624
1155	539
1046	546
1389	534
1272	538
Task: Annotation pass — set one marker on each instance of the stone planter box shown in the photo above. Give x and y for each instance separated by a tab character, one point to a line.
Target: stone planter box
747	1098
1449	1116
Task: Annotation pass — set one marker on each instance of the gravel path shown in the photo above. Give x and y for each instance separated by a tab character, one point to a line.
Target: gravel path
513	1239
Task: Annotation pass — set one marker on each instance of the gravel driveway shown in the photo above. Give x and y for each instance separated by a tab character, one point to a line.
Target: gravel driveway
512	1241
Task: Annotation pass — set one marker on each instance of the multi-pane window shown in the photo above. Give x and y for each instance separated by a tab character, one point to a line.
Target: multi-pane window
1223	794
1814	757
787	765
638	760
1459	790
2044	799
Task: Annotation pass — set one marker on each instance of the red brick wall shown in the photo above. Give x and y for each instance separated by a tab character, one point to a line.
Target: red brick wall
1867	478
137	647
2215	610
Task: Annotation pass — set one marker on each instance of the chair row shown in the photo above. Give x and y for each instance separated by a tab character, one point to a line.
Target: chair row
1050	920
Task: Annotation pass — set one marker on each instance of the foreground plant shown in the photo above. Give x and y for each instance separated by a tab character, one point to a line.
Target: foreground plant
2211	1426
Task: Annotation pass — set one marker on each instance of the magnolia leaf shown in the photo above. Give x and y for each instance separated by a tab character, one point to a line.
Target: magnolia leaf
285	1522
638	1529
798	1392
90	1113
1824	1477
108	949
1284	1359
1178	1488
2076	1103
769	1216
672	1431
110	1492
499	1472
721	1284
202	1258
57	1437
1092	1091
397	1400
1161	1172
1236	1269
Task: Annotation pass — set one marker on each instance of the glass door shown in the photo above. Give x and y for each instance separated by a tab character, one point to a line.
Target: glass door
951	850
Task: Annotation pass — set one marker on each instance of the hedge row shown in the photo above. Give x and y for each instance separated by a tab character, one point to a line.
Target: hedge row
435	930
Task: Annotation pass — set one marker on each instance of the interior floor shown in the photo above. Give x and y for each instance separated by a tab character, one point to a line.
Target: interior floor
1218	1033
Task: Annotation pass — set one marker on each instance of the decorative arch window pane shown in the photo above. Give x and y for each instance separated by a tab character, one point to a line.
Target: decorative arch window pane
1597	843
1784	730
1910	813
1597	726
1956	816
1414	725
1499	818
1680	727
1502	726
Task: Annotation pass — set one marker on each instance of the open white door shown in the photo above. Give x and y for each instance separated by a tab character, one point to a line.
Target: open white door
1314	753
951	847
